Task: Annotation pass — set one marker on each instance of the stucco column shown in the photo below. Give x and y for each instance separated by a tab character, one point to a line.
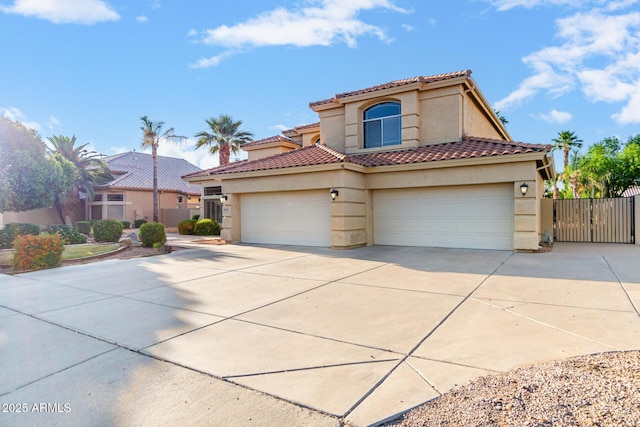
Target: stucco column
636	204
525	236
348	218
230	231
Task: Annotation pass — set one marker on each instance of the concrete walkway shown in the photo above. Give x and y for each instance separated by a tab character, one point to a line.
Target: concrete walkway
239	335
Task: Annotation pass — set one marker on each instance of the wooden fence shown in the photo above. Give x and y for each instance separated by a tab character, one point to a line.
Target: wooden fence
594	220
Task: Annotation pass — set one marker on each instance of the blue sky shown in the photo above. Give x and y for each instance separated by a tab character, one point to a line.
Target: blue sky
92	68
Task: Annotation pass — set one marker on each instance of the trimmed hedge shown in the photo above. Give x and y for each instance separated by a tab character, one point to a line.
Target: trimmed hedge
206	227
152	234
37	252
107	230
138	222
84	227
69	234
126	224
12	230
187	227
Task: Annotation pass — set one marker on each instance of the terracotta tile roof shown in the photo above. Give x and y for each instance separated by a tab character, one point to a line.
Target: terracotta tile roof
134	170
303	127
396	83
269	140
467	148
306	156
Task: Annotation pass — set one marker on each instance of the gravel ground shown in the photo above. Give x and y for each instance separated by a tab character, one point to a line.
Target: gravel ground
594	390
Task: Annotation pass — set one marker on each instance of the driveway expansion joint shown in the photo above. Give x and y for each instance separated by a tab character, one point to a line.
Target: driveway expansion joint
635	307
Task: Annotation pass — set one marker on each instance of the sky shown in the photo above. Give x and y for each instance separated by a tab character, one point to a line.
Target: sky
92	68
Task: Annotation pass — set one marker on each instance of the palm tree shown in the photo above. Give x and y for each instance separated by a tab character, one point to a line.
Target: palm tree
152	135
566	141
89	171
225	137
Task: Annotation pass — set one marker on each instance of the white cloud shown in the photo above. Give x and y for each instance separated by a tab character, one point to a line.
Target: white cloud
86	12
555	116
200	158
408	28
142	18
504	5
53	122
433	22
599	53
281	128
214	61
13	113
321	22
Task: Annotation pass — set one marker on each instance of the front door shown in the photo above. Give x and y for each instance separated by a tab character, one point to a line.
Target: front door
213	210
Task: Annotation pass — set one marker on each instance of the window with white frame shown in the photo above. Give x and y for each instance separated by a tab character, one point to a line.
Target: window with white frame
382	125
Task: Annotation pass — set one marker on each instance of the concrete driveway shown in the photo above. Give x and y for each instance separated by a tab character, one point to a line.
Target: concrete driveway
240	335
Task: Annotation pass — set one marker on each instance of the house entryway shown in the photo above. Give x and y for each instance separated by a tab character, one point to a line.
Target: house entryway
594	220
213	210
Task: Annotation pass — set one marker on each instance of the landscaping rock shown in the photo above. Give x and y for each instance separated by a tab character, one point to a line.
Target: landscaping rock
126	241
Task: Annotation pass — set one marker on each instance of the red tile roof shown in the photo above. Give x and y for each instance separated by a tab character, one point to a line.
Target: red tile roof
467	148
306	156
302	127
396	83
269	140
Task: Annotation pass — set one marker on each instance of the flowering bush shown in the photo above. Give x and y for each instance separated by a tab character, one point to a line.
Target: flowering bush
14	229
107	230
152	235
187	226
206	227
69	234
37	252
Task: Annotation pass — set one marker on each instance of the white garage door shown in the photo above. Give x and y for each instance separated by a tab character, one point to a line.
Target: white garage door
475	216
294	217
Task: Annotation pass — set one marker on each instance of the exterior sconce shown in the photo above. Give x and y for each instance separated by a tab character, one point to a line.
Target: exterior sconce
334	193
524	188
223	198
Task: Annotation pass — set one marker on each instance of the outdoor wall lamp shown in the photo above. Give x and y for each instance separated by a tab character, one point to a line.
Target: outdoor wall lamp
334	193
524	188
223	198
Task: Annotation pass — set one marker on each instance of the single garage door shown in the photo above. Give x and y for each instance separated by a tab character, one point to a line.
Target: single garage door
293	218
474	216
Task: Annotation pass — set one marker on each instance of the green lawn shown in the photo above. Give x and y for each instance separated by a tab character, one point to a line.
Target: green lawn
70	252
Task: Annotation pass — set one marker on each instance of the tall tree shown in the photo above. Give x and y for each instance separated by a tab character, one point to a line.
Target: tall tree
566	141
225	137
28	179
152	135
88	169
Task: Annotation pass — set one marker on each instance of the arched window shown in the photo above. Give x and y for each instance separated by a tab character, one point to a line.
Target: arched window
382	125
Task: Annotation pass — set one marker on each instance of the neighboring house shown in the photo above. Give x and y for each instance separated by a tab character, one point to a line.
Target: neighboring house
130	195
423	161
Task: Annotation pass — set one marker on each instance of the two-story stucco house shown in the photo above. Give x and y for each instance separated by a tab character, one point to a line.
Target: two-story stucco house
423	161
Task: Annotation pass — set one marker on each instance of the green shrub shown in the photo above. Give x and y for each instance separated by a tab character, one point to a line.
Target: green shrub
187	226
152	235
69	234
138	222
84	227
37	252
196	217
13	230
107	230
126	224
206	227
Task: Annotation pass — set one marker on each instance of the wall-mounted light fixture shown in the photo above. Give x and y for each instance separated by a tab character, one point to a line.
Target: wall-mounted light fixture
223	198
334	194
524	188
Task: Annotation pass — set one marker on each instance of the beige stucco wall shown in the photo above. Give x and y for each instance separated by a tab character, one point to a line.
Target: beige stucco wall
546	216
441	115
259	153
352	212
45	217
332	128
138	204
476	122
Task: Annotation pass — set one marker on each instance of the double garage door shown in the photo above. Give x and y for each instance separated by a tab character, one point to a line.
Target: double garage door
290	218
476	217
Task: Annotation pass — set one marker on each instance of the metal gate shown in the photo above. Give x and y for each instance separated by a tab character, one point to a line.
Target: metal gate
594	220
